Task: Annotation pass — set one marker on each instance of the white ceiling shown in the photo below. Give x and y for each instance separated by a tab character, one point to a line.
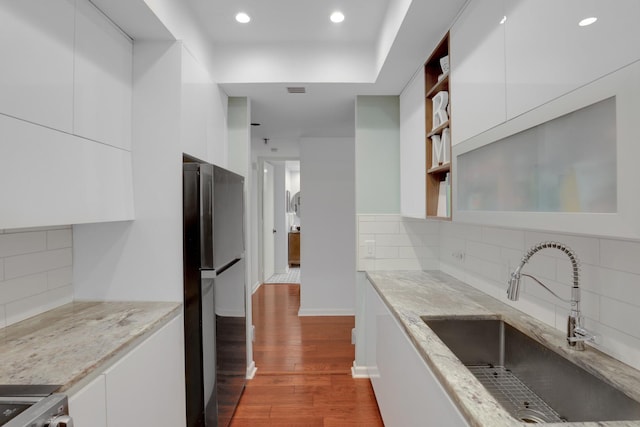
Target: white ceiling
287	20
375	51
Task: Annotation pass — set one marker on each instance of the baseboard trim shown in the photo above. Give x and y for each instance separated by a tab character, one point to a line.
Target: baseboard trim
326	312
359	371
255	287
251	370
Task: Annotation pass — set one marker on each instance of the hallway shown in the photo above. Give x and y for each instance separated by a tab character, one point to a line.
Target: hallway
304	369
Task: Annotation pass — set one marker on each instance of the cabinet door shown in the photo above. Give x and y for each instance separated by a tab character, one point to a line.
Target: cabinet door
68	180
408	393
412	148
103	79
88	406
478	69
146	387
36	76
549	54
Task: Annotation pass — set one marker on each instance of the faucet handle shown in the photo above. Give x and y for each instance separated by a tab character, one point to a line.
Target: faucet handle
582	335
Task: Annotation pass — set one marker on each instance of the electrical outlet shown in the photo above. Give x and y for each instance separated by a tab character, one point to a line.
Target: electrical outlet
371	248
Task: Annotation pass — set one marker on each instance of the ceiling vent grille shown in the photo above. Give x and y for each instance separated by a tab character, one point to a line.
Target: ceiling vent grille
297	89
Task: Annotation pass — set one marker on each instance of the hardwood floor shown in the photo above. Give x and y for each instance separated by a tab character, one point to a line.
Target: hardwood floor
304	369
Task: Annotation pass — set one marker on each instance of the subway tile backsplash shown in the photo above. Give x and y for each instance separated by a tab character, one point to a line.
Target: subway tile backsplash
35	271
484	256
391	242
609	278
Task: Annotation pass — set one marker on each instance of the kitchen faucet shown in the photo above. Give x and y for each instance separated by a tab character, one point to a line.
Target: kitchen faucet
576	334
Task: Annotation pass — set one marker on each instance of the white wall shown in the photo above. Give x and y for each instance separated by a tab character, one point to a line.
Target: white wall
239	161
327	247
239	135
397	243
377	160
35	271
281	255
142	260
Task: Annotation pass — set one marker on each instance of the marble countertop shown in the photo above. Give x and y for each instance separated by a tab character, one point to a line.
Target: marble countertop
68	344
412	294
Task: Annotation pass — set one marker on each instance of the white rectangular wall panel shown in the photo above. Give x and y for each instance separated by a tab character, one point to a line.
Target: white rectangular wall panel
36	76
103	79
412	149
53	178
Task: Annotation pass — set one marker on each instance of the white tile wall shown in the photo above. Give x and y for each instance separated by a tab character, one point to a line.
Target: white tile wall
609	277
484	257
399	243
35	271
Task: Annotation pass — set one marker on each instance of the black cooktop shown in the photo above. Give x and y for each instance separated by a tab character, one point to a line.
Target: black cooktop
10	410
28	390
15	399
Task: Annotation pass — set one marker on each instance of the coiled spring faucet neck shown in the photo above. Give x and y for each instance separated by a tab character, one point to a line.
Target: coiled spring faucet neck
576	334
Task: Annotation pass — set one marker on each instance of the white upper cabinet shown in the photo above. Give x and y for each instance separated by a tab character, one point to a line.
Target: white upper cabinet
478	68
412	148
36	76
103	79
53	178
548	54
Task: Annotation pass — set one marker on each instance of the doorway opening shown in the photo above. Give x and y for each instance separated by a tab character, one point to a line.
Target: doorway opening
281	206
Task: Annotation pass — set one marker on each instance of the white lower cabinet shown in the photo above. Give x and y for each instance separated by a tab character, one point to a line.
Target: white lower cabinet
144	388
88	406
407	392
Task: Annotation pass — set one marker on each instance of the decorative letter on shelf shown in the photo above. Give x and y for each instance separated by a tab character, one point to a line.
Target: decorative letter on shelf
440	101
436	151
446	145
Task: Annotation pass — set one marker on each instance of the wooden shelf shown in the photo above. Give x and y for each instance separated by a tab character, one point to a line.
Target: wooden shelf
439	129
443	218
435	176
442	84
443	168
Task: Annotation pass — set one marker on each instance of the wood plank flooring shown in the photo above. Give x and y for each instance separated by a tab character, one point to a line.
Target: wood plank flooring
304	369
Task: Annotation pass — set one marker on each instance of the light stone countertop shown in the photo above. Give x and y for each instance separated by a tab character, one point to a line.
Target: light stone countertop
412	294
72	343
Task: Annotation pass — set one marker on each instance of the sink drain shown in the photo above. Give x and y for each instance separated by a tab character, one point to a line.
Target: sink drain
531	416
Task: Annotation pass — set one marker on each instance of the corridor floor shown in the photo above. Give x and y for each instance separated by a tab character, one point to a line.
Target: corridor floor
304	369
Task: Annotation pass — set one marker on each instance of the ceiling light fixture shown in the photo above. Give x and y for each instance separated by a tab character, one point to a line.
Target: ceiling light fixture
587	21
337	17
243	18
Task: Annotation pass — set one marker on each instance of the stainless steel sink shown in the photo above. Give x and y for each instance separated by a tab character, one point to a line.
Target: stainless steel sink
533	383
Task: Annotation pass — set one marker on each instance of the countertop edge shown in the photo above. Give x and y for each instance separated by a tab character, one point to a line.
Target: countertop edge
92	372
446	366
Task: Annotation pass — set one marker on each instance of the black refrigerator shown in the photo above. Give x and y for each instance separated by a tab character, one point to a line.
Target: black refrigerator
214	293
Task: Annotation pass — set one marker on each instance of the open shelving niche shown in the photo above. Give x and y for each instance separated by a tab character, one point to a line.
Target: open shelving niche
437	174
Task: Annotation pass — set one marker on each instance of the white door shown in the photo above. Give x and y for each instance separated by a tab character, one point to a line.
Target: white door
268	222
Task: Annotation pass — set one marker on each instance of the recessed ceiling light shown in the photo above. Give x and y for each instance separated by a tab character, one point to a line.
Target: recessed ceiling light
337	17
587	21
243	18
